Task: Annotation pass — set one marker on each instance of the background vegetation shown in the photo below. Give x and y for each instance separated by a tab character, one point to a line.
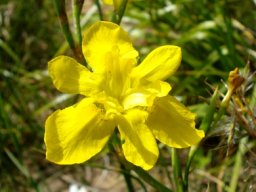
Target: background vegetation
215	36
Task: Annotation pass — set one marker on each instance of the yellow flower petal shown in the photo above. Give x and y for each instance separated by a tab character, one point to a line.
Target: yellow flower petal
159	64
116	3
173	124
116	76
145	95
100	40
75	134
108	2
71	77
138	143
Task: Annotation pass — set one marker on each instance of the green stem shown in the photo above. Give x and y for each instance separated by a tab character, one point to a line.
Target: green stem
61	13
6	122
150	180
127	177
229	39
77	7
178	180
208	119
164	164
191	155
223	107
119	171
119	13
238	165
205	125
99	9
22	168
9	51
114	145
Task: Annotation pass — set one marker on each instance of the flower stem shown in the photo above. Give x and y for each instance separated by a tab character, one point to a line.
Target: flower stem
209	117
205	125
238	164
127	177
114	145
119	12
77	7
191	155
10	52
99	9
178	179
61	13
149	179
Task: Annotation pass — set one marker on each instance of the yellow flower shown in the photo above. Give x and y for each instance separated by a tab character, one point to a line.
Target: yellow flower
118	93
116	3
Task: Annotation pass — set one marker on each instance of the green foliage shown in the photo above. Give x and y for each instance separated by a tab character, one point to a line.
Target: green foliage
215	36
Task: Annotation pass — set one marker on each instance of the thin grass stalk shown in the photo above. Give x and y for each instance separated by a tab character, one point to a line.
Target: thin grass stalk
99	9
63	18
164	164
238	165
60	7
208	119
205	125
119	13
127	177
114	146
192	153
9	51
77	8
6	122
177	173
119	171
150	180
236	60
23	169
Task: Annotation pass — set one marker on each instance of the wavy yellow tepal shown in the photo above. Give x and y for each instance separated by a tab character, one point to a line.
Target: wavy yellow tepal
118	94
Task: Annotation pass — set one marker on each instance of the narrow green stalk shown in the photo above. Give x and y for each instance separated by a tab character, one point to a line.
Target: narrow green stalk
9	51
21	108
223	107
114	145
127	177
99	9
208	119
22	168
77	8
236	60
205	125
119	13
164	163
191	155
149	179
119	171
238	165
61	13
6	122
177	174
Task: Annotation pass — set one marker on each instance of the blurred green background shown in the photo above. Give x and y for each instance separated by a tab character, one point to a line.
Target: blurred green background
215	36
